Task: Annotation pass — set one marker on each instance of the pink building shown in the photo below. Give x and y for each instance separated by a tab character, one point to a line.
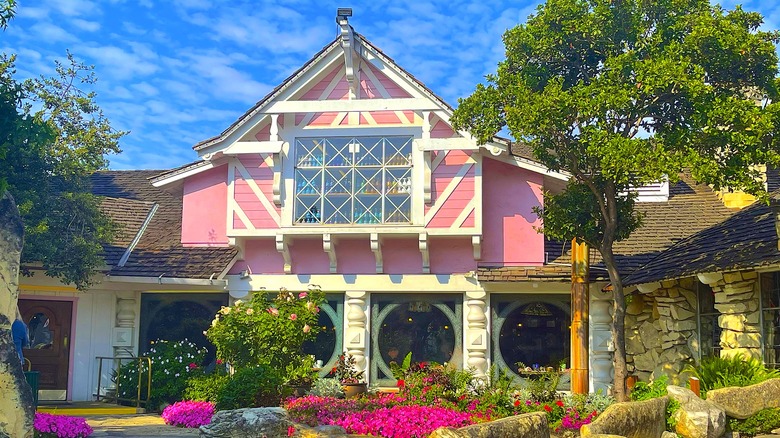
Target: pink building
349	176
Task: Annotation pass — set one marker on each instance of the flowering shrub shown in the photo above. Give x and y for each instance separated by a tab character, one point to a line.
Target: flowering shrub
403	421
60	426
172	364
188	413
346	370
266	331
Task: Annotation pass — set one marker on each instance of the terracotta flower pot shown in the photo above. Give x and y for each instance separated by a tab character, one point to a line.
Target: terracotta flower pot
352	390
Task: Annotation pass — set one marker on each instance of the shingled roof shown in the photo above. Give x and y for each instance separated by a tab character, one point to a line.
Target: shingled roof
746	240
691	208
129	197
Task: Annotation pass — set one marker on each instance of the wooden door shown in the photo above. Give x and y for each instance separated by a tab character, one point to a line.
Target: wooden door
48	323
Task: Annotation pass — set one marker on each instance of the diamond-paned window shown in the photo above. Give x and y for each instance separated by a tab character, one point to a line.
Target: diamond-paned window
353	180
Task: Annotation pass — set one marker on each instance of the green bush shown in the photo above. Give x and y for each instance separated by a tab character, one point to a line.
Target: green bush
327	388
206	387
655	389
268	331
251	387
763	422
173	363
722	372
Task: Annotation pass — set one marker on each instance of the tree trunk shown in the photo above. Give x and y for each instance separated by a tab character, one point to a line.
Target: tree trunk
618	324
16	403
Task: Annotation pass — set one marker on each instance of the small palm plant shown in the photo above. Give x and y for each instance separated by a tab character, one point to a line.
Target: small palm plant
737	370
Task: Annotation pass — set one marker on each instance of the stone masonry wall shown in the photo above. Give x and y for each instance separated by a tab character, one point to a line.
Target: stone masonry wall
661	335
737	297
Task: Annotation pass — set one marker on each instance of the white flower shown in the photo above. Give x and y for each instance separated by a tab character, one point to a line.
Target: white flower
238	302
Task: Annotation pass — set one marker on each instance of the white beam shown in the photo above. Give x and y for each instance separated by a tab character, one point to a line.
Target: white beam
336	106
330	248
424	251
283	247
254	147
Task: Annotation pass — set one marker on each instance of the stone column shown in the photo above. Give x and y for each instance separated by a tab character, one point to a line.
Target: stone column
737	297
601	367
124	335
16	402
477	336
355	337
642	327
676	304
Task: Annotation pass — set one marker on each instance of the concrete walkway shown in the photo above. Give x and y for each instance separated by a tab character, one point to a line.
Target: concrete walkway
135	426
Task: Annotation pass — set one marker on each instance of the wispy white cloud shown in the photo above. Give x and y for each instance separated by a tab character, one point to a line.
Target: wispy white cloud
86	25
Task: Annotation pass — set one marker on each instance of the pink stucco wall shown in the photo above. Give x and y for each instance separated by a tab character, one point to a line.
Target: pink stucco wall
261	257
204	207
449	255
508	237
248	200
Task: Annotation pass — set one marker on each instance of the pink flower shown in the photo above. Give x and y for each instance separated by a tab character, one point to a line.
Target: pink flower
273	311
193	365
188	413
306	328
290	431
250	311
303	295
219	362
293	317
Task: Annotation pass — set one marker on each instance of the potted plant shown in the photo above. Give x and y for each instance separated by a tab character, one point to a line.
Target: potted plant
301	376
351	378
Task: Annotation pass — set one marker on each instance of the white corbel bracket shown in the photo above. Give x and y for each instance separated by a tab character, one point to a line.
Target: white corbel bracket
426	257
376	247
328	245
476	243
283	247
348	46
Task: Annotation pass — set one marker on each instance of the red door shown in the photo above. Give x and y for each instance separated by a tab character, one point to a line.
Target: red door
48	323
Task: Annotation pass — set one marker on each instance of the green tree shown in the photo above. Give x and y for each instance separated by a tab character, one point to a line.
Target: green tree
52	137
622	93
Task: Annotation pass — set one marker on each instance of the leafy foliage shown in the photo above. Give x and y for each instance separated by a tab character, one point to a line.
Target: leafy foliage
173	363
764	421
52	137
622	94
266	331
655	389
737	370
205	387
251	387
327	388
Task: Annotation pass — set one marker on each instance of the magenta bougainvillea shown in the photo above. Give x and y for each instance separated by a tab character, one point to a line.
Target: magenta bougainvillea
403	421
188	413
60	426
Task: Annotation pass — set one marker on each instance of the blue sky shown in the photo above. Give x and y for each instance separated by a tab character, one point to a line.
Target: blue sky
175	72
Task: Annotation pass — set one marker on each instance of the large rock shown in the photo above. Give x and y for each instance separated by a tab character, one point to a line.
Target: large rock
743	402
533	425
248	423
643	419
16	401
696	418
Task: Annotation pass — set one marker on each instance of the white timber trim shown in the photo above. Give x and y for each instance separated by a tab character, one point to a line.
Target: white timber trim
448	144
347	41
530	165
231	196
356	231
259	193
478	193
168	280
243	217
180	176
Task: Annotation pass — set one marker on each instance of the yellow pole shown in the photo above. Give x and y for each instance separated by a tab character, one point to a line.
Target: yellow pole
579	317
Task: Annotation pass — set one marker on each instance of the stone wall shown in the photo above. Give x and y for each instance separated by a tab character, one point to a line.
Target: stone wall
661	330
737	296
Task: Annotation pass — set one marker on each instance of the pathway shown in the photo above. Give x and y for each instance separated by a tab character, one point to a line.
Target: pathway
135	426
